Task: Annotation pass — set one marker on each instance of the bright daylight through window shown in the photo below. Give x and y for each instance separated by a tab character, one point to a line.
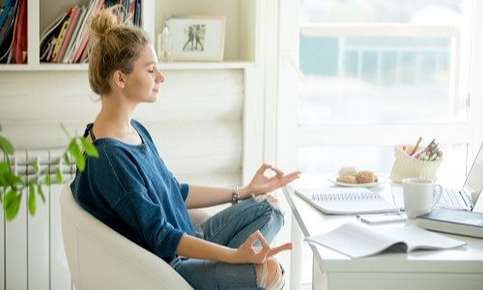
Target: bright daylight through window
370	63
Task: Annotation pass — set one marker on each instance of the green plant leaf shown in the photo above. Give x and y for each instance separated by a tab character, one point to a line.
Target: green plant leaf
89	148
9	196
36	165
41	192
58	175
31	198
48	179
6	146
67	158
4	169
12	204
14	180
75	151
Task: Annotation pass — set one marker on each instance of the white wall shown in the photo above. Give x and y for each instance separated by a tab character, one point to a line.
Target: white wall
197	122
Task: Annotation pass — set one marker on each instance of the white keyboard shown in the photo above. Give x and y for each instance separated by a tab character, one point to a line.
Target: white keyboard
453	199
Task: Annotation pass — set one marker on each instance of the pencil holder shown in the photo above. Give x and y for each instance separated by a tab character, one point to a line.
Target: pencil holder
406	166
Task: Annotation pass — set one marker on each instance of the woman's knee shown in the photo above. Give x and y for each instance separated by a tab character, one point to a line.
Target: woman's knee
272	207
270	275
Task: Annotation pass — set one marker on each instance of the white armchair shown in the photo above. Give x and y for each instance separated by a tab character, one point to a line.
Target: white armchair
101	259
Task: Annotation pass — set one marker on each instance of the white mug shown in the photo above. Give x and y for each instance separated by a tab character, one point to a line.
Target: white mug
420	195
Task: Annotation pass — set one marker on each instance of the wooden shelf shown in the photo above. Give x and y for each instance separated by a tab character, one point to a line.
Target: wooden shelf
43	67
239	39
205	65
161	66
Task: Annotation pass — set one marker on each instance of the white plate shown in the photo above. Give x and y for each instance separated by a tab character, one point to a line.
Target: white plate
372	184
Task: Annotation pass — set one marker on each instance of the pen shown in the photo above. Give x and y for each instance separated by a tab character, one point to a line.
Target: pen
416	146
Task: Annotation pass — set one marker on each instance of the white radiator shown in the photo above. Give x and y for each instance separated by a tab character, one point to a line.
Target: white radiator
31	246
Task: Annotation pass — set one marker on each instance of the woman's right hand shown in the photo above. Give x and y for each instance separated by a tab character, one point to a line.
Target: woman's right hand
247	253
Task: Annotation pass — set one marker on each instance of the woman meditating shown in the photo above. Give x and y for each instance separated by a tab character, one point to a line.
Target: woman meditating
129	188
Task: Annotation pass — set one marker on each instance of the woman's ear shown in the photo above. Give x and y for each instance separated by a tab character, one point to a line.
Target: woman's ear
119	79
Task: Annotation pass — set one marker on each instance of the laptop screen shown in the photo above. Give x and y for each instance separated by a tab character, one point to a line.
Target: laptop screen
474	181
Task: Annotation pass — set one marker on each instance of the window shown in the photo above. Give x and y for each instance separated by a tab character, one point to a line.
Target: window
372	74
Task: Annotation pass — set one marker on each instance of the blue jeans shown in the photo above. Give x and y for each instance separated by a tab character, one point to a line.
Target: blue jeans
231	227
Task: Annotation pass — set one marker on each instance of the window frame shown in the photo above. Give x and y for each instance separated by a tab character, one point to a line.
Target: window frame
291	135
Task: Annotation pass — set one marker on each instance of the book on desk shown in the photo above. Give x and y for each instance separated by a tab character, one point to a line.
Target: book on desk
461	222
357	240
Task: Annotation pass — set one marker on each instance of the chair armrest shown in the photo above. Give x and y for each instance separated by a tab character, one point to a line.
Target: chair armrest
108	261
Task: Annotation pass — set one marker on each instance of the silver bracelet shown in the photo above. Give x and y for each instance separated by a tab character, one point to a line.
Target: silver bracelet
235	197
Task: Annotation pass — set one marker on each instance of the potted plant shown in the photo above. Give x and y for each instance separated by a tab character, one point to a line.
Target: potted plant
12	186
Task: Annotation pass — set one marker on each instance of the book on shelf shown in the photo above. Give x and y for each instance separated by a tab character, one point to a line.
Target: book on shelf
8	15
60	37
95	7
18	48
357	240
460	222
74	14
346	200
80	23
5	10
81	32
66	39
48	38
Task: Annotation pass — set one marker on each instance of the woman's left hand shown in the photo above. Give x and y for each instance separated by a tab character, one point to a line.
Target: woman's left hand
261	184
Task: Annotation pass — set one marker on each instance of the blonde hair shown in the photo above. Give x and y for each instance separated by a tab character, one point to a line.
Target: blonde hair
113	46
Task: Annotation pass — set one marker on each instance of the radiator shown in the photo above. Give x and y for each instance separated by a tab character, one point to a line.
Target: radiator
31	246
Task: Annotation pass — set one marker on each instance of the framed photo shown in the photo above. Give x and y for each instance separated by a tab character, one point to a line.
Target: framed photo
198	38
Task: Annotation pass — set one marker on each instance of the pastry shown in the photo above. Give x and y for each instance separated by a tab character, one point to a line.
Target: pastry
348	170
366	177
352	179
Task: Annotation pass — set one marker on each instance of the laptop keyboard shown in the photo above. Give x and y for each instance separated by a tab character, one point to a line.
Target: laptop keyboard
449	199
452	199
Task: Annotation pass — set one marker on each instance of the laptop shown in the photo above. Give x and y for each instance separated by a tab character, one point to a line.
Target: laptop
468	197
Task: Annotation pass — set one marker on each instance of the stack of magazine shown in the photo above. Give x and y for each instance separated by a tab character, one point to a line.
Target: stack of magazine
13	31
66	39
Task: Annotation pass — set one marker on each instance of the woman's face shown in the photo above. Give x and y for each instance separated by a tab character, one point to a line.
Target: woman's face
142	84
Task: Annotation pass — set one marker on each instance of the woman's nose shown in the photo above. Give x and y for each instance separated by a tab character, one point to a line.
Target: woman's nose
160	78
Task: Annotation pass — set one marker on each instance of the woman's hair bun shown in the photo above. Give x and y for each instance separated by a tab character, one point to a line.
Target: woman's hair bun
114	46
104	21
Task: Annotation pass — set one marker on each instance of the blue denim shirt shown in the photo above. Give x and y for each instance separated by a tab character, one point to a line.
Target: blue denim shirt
130	189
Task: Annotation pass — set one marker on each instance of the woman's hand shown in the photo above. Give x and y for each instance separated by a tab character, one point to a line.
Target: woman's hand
247	253
261	184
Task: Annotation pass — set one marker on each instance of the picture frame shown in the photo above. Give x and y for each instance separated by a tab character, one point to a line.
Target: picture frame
196	38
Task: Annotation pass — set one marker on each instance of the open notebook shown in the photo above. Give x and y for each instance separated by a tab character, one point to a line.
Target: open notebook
346	200
357	240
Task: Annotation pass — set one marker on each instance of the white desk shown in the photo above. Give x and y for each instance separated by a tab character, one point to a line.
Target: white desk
460	268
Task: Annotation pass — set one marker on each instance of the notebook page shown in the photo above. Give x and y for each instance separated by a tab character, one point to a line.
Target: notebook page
354	240
418	238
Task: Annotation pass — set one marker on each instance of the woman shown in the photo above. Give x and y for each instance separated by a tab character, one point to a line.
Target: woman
130	189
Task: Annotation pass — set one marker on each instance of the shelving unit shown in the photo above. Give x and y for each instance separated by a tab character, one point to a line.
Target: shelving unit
240	51
161	66
209	120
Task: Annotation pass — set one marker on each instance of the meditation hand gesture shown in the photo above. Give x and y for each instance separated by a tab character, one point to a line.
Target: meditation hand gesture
248	253
261	184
